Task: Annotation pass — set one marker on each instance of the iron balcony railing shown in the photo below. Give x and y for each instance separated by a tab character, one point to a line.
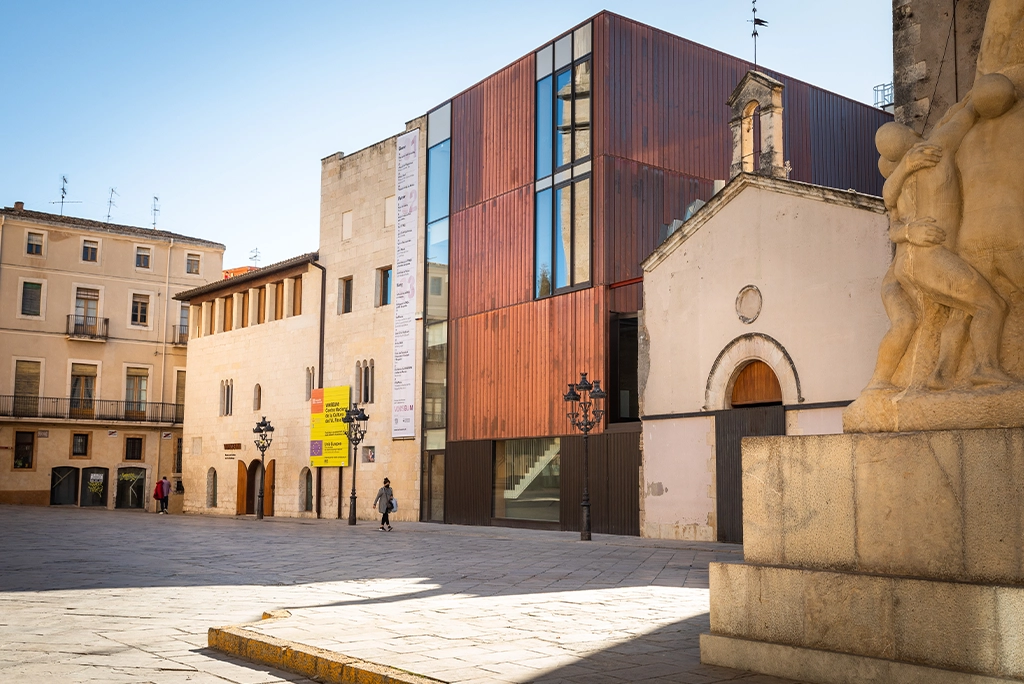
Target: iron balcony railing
80	408
87	326
179	334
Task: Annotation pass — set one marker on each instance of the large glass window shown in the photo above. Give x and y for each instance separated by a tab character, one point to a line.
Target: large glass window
562	243
544	127
563	146
438	180
527	479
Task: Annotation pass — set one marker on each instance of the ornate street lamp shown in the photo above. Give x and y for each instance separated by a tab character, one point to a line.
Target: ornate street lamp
584	417
265	435
355	427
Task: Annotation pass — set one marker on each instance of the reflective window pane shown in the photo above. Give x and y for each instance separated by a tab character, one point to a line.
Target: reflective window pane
581	116
527	479
581	42
437	292
581	232
544	127
435	375
542	244
437	242
438	180
563	235
563	119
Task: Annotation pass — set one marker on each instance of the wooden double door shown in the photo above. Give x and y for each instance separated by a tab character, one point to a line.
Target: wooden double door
248	486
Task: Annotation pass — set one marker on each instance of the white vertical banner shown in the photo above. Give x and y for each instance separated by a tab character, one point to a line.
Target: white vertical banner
403	383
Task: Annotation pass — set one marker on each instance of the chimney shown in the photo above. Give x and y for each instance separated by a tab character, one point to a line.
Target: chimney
758	95
19	206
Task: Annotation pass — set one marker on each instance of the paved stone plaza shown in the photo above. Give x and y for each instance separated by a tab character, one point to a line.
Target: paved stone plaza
117	596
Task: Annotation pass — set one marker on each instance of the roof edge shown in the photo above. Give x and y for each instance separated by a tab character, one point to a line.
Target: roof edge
226	283
846	198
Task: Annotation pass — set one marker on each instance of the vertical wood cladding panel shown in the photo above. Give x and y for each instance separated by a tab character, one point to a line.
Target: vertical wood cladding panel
491	258
637	200
468	482
614	482
492	135
509	368
664	98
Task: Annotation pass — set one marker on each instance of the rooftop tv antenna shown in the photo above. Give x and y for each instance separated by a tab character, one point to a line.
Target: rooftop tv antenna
155	210
254	257
756	22
64	194
110	202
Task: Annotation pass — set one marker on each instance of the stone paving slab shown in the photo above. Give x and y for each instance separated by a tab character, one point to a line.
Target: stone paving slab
124	596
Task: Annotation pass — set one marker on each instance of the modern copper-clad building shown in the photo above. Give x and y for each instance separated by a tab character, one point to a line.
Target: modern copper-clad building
548	183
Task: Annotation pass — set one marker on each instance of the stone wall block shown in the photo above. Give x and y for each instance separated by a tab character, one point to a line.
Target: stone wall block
838	611
777	608
946	624
734	587
993	476
763	493
908	505
1010	623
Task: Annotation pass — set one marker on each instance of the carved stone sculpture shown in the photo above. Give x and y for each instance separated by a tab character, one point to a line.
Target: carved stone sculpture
954	354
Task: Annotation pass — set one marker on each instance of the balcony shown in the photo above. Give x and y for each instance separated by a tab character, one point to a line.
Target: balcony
102	410
87	327
179	334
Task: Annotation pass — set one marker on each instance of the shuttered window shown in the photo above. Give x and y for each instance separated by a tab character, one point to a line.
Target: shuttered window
31	299
26	378
133	448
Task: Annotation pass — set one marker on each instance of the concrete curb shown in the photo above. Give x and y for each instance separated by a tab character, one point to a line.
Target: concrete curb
312	662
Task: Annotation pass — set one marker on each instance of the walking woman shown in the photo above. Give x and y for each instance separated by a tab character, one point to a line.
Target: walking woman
383	504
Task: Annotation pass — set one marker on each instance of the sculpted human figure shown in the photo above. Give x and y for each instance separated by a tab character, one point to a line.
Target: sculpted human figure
923	198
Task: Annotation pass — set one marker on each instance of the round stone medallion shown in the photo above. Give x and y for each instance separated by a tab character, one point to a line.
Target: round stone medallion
748	304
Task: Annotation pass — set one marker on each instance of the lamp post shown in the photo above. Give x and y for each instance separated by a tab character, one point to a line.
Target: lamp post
265	435
355	427
583	416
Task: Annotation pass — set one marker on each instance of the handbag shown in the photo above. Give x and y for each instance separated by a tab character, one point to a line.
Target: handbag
394	504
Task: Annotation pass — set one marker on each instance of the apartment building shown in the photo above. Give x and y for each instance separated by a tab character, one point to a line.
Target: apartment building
92	374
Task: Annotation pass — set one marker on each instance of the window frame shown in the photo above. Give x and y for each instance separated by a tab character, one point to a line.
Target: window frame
88	445
199	258
142	448
42	243
33	460
570	258
41	316
82	247
345	295
141	313
146	250
382	291
151	309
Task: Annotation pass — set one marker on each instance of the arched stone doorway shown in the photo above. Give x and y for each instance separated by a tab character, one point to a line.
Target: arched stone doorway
754	408
252	485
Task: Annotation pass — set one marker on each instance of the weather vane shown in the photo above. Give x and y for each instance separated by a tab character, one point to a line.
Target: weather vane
756	22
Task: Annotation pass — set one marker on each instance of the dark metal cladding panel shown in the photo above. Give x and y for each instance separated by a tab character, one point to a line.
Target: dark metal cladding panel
614	484
491	258
730	429
468	482
509	368
492	135
664	100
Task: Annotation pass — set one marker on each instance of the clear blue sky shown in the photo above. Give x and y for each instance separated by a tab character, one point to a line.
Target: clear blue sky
224	109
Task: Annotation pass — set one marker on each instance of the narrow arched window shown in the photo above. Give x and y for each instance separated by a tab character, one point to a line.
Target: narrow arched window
366	383
357	391
257	397
306	489
372	383
211	488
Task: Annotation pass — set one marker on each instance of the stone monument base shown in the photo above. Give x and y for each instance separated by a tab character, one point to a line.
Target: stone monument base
877	558
954	409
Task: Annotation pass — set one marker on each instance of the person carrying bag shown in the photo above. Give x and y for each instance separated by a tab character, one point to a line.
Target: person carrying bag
385	503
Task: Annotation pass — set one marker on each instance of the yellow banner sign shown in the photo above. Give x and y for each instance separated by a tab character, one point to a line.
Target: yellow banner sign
328	442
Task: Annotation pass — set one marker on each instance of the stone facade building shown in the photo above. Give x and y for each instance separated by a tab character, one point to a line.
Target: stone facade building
92	357
253	350
257	337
